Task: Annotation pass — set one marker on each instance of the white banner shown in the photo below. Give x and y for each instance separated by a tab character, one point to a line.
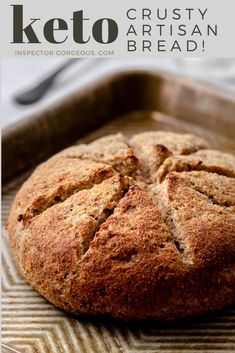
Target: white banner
186	28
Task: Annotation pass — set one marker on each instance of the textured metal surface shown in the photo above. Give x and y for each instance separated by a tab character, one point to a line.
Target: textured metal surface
32	325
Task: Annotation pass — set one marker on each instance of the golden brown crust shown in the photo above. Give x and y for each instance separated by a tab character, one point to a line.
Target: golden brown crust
156	241
56	180
218	188
153	148
112	150
208	160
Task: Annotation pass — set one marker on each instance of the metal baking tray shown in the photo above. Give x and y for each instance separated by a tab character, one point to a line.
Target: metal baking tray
130	102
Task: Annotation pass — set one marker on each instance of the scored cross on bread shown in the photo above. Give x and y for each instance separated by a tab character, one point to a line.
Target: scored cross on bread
135	229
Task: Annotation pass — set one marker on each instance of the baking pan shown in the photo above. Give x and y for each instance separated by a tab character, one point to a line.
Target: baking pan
129	102
37	137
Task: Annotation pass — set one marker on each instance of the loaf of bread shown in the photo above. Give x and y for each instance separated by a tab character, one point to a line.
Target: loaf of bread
133	229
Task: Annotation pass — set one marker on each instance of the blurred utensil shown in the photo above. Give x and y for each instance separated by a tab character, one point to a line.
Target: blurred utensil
39	89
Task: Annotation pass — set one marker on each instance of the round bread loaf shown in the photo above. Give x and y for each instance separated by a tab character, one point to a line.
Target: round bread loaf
135	229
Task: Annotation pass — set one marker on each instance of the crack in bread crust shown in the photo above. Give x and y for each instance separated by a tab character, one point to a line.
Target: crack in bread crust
153	148
195	217
63	186
212	199
217	188
112	150
206	160
161	201
66	230
166	210
125	183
